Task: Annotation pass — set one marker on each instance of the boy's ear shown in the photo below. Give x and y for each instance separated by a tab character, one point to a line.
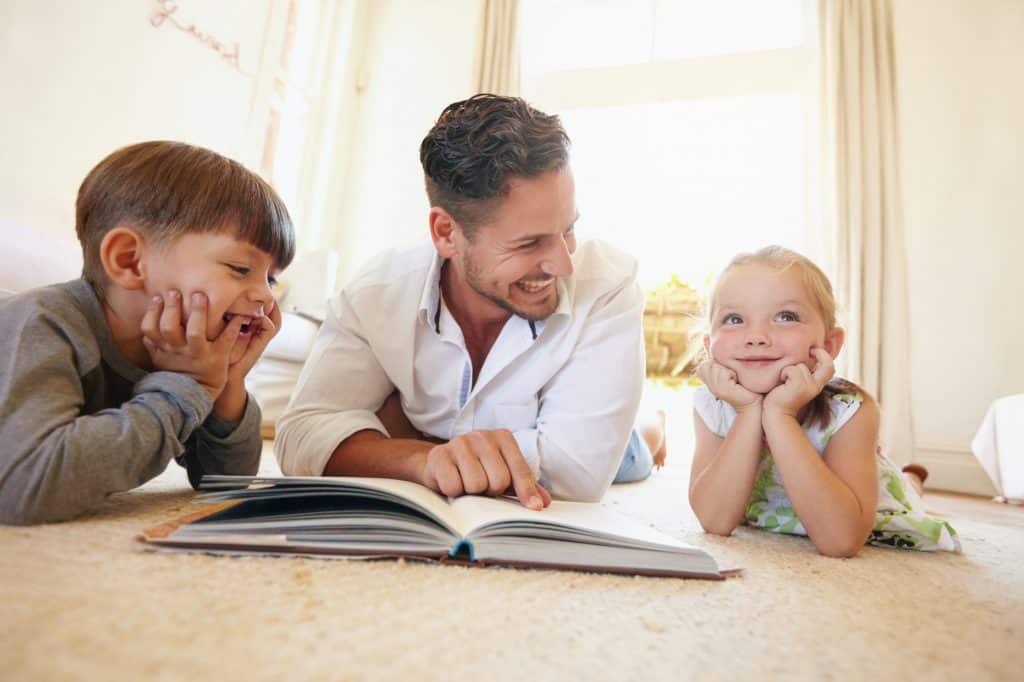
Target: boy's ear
442	231
121	255
834	341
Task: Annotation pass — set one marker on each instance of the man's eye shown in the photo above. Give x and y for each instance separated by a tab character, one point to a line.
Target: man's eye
529	245
787	316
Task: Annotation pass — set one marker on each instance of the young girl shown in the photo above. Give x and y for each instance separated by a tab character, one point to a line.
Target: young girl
783	445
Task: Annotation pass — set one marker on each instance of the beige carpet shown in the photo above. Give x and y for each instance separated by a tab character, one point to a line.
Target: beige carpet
78	601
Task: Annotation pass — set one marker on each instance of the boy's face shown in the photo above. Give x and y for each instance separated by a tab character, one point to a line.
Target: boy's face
235	276
764	321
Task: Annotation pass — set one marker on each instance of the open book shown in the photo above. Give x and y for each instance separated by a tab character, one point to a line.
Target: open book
379	517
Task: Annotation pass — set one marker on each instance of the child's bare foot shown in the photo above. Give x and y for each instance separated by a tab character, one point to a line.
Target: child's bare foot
653	433
917	475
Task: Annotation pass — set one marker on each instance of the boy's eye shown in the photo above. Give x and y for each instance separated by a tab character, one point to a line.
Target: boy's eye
787	316
732	318
272	281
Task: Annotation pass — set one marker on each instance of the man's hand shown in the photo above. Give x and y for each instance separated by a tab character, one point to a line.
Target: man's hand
185	349
799	385
483	462
722	383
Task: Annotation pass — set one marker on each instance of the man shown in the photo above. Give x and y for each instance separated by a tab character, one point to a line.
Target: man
514	359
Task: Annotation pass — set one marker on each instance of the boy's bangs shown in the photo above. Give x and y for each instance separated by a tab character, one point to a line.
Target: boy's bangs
263	221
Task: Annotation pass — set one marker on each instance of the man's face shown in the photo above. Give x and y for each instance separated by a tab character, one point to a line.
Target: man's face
514	261
234	275
764	321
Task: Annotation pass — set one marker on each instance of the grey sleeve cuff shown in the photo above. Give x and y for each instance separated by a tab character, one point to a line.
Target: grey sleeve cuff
194	403
223	447
230	432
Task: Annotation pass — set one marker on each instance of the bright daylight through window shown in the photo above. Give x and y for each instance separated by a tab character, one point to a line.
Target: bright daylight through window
693	123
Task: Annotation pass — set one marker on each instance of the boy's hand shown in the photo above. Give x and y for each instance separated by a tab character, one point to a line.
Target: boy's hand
799	385
186	350
722	383
264	329
231	403
483	462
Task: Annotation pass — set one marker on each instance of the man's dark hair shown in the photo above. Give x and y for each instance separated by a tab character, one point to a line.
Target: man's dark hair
478	145
168	189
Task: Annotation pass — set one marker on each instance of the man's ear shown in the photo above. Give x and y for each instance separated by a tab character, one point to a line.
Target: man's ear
443	229
834	341
121	255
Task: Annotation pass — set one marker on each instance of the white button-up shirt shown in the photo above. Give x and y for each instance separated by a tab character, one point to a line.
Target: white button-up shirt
567	387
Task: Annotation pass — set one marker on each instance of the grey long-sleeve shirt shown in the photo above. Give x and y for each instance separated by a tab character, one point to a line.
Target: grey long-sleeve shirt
78	421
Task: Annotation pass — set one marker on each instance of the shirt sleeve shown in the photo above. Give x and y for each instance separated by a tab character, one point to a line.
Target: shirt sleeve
588	408
341	387
222	447
715	413
56	462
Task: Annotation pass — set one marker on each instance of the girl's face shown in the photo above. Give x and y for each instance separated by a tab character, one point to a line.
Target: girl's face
764	321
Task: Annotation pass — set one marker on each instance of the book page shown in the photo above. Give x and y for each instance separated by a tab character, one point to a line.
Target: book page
482	514
403	492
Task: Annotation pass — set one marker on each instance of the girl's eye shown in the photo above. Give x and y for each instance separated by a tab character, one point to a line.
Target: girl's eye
272	281
732	319
787	316
239	269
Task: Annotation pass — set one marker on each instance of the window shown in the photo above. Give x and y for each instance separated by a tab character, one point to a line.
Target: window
694	123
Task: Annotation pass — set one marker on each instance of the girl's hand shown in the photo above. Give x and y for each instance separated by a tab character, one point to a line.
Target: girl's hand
799	385
722	383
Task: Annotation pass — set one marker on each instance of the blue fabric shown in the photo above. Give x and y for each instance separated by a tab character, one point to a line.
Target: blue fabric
637	461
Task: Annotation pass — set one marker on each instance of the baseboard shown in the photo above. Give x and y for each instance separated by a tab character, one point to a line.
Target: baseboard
953	469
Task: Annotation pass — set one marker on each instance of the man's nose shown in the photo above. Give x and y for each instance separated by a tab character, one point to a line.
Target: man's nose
558	261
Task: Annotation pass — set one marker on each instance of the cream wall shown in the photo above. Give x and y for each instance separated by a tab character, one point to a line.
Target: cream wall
84	78
418	59
960	69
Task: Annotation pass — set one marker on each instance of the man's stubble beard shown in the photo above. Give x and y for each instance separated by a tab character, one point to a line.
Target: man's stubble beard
475	282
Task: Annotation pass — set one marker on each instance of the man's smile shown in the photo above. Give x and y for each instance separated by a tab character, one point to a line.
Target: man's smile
534	286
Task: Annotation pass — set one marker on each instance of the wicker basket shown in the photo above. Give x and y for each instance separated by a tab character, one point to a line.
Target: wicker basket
671	331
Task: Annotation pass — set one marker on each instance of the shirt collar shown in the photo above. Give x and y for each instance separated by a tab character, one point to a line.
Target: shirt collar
430	299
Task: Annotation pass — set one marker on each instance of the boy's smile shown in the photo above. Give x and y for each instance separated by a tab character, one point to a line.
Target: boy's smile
234	275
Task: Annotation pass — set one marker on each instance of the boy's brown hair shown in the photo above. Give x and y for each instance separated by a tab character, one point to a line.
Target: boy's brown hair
167	189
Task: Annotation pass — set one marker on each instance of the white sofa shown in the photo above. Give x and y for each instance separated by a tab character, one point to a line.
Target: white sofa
33	259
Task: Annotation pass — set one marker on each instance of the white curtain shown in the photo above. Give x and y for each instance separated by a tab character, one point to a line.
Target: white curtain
496	68
861	154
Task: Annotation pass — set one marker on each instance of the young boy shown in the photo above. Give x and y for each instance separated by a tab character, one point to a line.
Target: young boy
104	379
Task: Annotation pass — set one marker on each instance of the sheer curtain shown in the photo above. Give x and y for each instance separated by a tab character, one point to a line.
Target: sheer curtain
496	66
861	153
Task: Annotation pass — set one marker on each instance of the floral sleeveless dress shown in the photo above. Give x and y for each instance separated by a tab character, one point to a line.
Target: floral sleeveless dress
900	520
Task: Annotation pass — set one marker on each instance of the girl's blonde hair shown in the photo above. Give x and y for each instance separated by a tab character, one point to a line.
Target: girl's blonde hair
819	290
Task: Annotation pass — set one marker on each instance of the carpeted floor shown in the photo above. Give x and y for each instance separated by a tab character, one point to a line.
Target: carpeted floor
78	601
